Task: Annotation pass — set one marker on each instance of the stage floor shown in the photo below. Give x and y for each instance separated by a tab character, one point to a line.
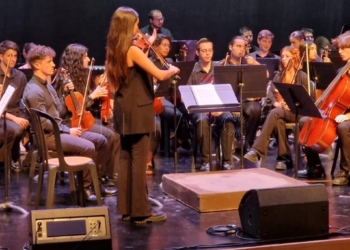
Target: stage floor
184	226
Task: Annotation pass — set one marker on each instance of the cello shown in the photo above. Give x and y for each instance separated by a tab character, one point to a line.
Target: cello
319	134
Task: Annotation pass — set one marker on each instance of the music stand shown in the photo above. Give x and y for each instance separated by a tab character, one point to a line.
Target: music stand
271	64
228	102
7	205
169	88
299	103
176	46
321	73
247	81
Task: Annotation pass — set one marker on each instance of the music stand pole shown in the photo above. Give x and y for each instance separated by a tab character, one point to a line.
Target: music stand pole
241	85
174	82
7	205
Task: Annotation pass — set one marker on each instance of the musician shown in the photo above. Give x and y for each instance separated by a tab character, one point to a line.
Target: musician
265	39
280	114
201	74
129	72
156	20
251	107
40	95
25	51
75	60
308	33
313	56
247	34
17	120
296	38
314	167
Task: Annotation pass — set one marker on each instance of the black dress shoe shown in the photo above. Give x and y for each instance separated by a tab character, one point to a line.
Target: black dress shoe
107	192
342	179
315	172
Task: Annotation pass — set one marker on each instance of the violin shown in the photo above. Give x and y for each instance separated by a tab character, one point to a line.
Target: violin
75	103
106	110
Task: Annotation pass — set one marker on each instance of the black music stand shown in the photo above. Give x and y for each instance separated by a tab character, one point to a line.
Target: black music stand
7	205
228	102
271	64
169	88
321	73
247	81
299	103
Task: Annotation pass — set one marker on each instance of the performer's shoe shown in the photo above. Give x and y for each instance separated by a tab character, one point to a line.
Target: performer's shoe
342	179
156	216
125	217
252	156
284	162
226	166
314	172
205	167
106	181
90	196
108	192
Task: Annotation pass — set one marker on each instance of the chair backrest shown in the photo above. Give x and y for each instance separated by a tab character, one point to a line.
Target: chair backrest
36	118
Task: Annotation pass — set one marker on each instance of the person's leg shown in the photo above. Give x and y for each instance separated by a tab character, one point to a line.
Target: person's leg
252	114
343	131
227	133
201	121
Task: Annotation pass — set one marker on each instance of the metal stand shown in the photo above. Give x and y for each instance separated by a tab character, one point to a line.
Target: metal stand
7	205
174	83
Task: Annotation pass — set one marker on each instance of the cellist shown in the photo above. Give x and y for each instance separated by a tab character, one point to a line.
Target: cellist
280	114
75	60
314	167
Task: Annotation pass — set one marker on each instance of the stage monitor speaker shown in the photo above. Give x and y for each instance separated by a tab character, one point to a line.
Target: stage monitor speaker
70	228
284	213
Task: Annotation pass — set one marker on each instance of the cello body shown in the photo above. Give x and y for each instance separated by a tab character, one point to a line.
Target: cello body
319	134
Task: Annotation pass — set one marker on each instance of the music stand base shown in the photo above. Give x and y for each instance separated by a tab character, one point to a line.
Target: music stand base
9	206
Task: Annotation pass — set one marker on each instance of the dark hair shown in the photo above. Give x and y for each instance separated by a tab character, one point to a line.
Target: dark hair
160	38
6	45
265	34
151	13
39	52
298	35
307	30
72	61
119	39
244	29
232	41
27	47
202	40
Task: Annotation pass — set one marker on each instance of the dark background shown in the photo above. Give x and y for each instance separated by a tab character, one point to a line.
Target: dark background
57	23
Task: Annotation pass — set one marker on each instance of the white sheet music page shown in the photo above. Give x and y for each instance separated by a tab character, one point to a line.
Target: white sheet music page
205	94
6	98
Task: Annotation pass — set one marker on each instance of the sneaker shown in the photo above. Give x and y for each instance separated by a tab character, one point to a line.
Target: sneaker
89	195
281	165
252	156
156	216
16	166
342	179
226	166
284	162
205	167
314	172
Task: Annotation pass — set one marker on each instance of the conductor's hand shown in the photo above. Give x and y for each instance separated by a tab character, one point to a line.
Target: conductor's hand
75	131
100	91
174	69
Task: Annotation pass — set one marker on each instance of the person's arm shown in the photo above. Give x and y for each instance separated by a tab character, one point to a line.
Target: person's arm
136	56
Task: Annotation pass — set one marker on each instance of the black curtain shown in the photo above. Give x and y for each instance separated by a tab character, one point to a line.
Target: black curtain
57	23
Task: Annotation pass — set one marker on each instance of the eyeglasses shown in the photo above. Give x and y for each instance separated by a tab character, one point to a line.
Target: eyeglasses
206	51
309	37
159	19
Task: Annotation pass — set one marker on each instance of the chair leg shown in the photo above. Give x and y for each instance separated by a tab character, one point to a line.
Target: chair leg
39	188
51	187
96	184
31	175
335	159
72	188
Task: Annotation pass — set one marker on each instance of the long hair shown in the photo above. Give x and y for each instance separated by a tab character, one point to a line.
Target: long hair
342	41
119	40
295	60
72	61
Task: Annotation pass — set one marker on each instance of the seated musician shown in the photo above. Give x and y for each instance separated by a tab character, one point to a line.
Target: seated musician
247	34
17	121
265	39
156	21
296	38
38	94
75	61
251	107
280	114
25	51
202	74
314	168
308	33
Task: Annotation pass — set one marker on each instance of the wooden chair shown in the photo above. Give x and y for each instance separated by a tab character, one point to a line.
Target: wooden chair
70	164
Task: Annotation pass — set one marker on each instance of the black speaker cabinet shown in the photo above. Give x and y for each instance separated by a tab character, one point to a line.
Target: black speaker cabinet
70	228
284	213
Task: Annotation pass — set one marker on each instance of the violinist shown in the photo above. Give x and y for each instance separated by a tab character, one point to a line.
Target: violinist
265	39
202	74
17	121
314	167
280	114
130	76
251	107
38	94
75	61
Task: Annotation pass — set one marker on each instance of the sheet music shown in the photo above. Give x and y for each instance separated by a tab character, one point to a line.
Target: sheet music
205	94
6	98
